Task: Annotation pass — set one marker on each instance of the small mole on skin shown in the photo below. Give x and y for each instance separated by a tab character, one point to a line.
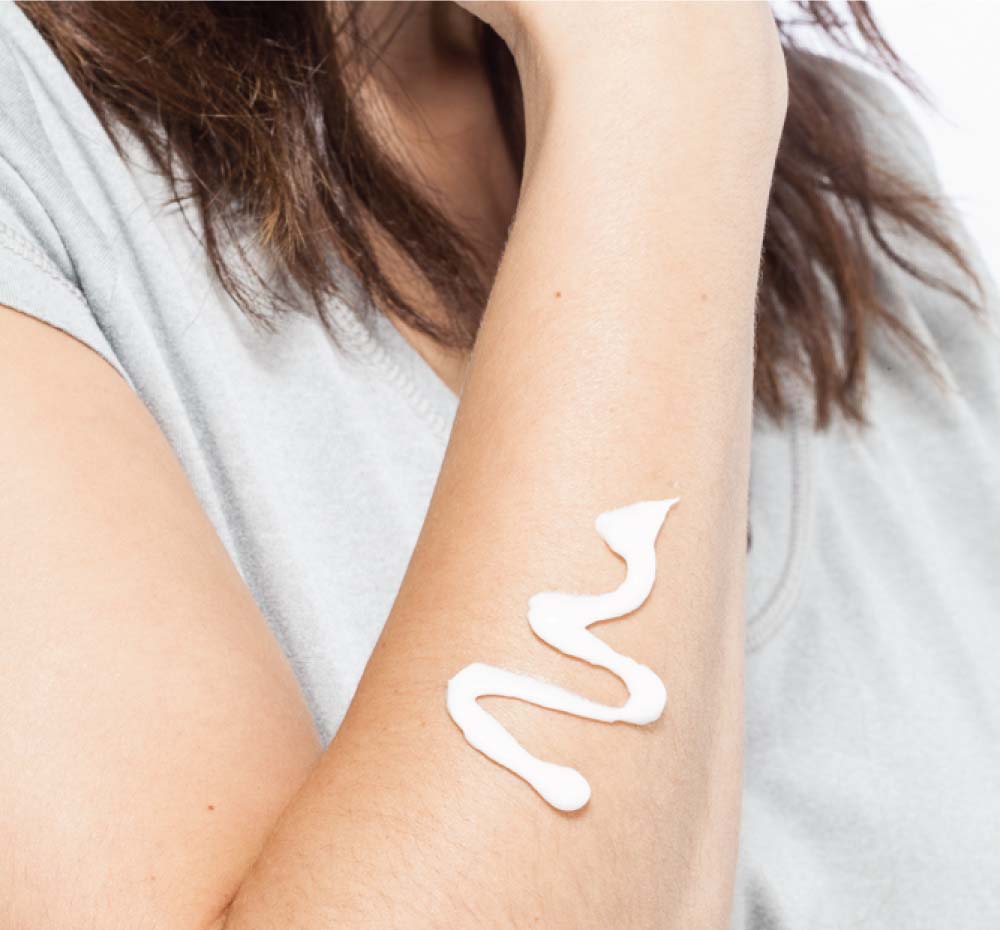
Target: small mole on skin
211	807
558	293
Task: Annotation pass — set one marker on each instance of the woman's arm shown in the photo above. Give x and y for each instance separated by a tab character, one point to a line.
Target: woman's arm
150	729
614	364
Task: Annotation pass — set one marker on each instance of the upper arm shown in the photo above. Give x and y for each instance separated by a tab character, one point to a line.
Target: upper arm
150	729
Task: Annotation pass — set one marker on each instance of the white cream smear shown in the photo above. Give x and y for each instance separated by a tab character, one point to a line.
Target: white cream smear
561	620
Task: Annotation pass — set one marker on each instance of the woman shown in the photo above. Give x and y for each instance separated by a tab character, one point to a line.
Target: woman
247	250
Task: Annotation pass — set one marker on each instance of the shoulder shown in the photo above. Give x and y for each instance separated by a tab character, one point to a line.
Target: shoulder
59	173
47	127
35	90
884	110
963	345
52	146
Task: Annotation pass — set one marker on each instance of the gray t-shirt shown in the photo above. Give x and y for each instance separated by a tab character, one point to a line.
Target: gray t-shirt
872	785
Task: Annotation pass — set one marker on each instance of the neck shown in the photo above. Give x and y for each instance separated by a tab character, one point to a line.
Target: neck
417	42
426	97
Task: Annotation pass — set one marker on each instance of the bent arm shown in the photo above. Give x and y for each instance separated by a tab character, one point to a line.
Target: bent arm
613	365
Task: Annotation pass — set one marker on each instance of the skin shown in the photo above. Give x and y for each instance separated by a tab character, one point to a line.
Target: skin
158	765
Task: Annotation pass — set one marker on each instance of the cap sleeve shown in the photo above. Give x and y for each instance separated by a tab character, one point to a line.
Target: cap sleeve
43	216
32	280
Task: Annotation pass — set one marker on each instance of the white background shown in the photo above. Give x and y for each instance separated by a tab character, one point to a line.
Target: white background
955	48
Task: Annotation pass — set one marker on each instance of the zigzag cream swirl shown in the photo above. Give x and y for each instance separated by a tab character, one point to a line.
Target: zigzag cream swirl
561	620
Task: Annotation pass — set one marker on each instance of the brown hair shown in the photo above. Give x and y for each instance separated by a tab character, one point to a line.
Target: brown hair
248	110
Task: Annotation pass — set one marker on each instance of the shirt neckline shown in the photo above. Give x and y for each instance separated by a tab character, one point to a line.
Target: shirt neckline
371	334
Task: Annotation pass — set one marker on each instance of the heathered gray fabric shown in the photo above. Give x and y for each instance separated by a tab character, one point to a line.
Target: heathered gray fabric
873	697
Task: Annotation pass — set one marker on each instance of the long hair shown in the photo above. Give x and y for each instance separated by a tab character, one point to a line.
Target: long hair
249	109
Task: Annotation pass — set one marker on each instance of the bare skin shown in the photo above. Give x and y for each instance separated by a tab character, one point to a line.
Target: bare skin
614	364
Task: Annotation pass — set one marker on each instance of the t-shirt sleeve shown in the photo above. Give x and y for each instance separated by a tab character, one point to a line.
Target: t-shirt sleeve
40	219
34	277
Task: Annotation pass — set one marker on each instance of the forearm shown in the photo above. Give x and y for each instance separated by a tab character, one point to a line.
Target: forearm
614	364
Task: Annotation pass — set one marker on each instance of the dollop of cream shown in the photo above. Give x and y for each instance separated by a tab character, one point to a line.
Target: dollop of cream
561	620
